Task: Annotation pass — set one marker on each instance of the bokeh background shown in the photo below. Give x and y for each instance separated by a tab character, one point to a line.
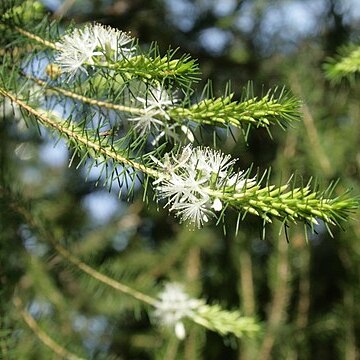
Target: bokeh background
305	292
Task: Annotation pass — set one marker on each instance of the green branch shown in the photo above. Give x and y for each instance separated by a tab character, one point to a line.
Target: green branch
291	205
297	204
212	317
42	335
346	64
149	67
262	112
87	100
216	112
225	322
80	136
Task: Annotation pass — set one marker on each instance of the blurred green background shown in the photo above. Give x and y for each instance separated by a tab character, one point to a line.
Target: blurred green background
305	294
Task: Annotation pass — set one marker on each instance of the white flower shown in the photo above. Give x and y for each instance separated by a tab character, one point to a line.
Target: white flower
147	122
155	119
217	205
159	99
188	133
196	181
173	306
195	211
170	131
112	39
171	162
93	42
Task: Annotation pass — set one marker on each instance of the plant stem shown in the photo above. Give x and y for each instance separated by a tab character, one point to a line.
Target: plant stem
72	133
43	337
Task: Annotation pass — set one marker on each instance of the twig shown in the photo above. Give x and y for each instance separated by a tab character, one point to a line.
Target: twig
43	337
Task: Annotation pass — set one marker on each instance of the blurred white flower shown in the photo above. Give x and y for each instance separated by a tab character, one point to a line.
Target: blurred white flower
92	43
217	205
173	306
195	181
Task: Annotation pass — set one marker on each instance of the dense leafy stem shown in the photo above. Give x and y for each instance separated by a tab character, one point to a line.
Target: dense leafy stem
128	106
345	65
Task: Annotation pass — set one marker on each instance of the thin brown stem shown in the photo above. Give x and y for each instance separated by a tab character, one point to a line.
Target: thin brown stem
36	38
312	133
90	101
80	264
103	278
63	9
303	306
279	301
43	337
247	283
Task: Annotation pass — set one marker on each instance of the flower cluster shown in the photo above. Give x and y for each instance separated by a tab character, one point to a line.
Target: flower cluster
99	45
173	306
92	44
155	118
154	104
197	181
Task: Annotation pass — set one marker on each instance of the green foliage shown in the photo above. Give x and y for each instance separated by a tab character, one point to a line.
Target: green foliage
225	322
272	109
345	65
88	288
127	151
